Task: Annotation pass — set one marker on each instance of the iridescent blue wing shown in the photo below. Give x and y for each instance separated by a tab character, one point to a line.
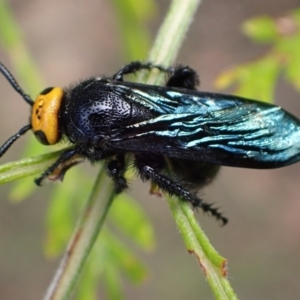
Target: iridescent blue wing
215	128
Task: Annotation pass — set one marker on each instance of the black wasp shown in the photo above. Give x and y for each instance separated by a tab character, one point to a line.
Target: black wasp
178	137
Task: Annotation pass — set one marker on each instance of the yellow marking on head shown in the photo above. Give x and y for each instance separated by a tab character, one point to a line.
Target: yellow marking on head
44	115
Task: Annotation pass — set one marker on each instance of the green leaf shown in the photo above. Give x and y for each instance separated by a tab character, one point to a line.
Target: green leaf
121	255
89	288
108	259
63	209
254	80
257	79
113	283
89	281
26	167
213	265
261	29
288	53
60	224
131	220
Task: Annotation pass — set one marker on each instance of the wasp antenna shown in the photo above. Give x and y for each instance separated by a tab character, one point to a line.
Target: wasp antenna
13	138
10	78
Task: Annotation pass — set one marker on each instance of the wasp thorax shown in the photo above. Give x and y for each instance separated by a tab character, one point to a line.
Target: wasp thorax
44	116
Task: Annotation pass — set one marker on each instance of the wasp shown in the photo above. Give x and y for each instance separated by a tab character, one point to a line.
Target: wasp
177	136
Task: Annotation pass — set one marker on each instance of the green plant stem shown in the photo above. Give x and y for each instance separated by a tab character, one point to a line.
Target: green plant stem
171	35
212	264
27	167
83	239
173	31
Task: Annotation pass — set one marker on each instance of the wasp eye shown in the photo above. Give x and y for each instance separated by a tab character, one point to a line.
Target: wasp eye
41	137
46	91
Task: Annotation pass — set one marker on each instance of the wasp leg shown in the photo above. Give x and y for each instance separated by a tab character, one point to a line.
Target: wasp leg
183	77
60	171
174	188
136	66
66	160
115	169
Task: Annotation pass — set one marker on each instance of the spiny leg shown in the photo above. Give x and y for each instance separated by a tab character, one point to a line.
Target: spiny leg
115	169
174	188
137	66
61	165
60	171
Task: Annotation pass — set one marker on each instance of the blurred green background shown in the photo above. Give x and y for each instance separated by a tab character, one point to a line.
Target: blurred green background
72	40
